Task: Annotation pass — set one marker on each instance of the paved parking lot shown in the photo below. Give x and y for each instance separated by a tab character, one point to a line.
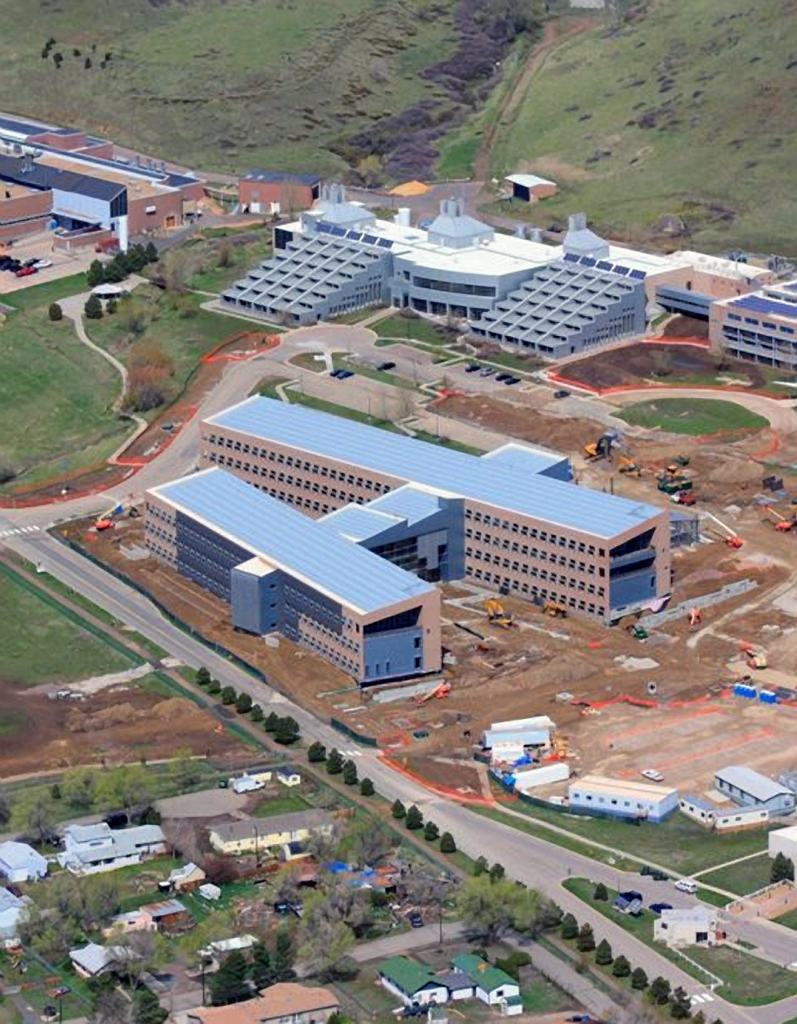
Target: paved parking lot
40	246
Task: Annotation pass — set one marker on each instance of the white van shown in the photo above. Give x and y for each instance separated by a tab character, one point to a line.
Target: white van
686	885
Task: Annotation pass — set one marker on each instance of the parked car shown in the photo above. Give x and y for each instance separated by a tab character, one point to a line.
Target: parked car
561	393
416	919
487	371
472	367
42	264
655	873
658	907
510	380
345	374
652	774
503	376
384	367
24	271
686	885
337	374
31	263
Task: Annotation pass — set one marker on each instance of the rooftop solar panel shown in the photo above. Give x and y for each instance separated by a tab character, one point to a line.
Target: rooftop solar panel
757	304
587	261
325	228
603	265
355	236
369	239
570	257
621	270
340	232
386	243
638	274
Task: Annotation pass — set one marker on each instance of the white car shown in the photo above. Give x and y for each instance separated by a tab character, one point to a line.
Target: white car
686	885
652	774
42	264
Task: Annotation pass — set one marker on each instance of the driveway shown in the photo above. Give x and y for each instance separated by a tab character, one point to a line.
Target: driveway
208	803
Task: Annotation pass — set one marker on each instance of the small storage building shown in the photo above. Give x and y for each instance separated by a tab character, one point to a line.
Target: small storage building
750	788
688	926
620	798
531	187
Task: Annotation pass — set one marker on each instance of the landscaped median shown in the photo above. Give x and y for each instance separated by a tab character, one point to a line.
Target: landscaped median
747	980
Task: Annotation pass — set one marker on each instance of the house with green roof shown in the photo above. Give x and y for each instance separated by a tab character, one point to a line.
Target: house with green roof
491	985
412	982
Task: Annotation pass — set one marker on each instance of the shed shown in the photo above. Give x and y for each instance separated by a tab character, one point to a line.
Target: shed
750	788
21	863
531	187
209	891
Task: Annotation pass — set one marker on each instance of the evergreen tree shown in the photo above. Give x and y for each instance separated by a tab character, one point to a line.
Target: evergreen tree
228	695
398	810
334	762
585	943
660	991
283	957
639	979
680	1005
480	867
92	310
55	791
152	253
229	984
601	893
262	967
497	872
316	753
447	844
350	773
367	787
257	713
270	724
111	306
147	1008
603	953
214	687
414	819
782	869
243	704
621	967
202	676
94	274
569	927
287	731
431	832
54	312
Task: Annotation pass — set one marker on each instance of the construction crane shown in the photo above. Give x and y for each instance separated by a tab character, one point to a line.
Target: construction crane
497	615
555	610
106	520
783	524
732	539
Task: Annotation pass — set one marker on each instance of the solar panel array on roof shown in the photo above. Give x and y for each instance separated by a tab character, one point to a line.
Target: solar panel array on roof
355	236
571	257
757	304
603	265
385	243
370	239
639	275
335	230
443	471
587	261
622	271
274	531
325	229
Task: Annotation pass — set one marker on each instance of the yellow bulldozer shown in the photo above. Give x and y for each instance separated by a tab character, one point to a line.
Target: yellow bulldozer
555	610
497	614
629	467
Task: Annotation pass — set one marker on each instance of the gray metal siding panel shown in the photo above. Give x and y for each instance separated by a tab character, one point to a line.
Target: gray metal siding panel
393	654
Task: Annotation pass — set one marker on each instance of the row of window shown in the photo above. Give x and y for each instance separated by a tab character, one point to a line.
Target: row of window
529	552
763	323
535	572
611	800
532	590
283	478
328	651
533	532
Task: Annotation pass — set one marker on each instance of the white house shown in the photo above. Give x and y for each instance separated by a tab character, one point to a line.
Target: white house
491	985
288	777
723	819
689	926
413	983
12	910
91	960
21	863
89	849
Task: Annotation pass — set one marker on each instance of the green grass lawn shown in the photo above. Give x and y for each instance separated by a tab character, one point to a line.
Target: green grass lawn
39	643
184	339
678	843
210	275
409	329
56	399
341	362
39	295
693	416
284	803
542	996
743	878
788	920
620	119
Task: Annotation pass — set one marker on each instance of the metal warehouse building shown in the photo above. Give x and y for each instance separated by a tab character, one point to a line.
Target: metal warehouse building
282	572
511	519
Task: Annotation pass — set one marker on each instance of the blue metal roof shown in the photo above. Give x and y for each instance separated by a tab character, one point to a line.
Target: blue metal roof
409	503
274	531
758	304
20	127
358	522
443	471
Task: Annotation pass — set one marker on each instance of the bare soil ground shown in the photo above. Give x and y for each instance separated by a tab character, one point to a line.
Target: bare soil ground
664	363
117	725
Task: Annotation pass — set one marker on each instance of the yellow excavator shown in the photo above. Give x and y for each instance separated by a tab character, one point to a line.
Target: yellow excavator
602	448
555	610
497	615
629	467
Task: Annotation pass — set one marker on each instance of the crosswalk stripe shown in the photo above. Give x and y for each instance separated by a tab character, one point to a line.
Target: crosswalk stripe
18	530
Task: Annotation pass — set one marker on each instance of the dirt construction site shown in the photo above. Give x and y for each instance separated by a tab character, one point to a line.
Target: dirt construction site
622	703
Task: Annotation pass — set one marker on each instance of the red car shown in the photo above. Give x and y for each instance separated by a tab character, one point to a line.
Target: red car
24	272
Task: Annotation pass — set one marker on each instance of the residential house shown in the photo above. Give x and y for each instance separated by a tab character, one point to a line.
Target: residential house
167	915
288	777
187	878
459	985
89	849
285	1003
491	985
91	960
256	834
12	909
21	863
689	926
133	921
413	983
752	789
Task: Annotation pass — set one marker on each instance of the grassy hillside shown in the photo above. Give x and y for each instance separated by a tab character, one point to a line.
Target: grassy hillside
690	111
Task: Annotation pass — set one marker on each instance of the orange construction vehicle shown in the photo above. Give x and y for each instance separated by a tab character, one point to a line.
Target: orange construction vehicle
755	657
781	522
439	692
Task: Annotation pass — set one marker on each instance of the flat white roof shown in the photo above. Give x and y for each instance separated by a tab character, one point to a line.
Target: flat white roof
529	180
622	787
